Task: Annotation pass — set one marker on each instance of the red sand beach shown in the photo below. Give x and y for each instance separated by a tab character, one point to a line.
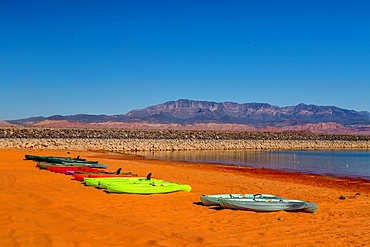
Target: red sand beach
41	208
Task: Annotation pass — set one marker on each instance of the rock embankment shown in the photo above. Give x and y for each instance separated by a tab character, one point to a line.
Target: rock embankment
155	140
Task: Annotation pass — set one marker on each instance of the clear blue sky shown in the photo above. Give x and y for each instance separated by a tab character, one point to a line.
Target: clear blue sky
110	57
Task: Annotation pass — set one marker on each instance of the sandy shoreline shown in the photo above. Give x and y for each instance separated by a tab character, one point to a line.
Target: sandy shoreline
40	208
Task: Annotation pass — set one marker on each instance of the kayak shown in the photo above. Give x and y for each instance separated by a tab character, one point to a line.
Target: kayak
68	160
93	165
59	160
103	171
123	182
63	169
108	175
44	165
79	176
149	188
45	158
213	200
268	205
80	169
96	181
68	172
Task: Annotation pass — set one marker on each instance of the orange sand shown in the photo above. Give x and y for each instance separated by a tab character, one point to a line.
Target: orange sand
41	208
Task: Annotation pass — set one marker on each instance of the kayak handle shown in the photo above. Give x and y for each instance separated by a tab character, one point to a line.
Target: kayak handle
255	196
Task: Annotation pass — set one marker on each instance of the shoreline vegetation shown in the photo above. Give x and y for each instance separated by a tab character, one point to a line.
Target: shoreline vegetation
122	140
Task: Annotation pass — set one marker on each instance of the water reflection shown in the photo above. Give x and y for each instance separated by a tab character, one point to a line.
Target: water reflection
334	163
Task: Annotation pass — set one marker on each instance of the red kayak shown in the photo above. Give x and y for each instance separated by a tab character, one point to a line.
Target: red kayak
102	175
63	169
79	176
84	169
59	168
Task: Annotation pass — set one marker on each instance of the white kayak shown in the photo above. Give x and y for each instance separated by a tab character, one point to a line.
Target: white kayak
268	205
213	200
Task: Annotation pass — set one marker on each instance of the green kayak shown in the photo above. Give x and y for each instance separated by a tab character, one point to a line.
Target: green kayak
105	183
68	160
96	181
149	188
48	158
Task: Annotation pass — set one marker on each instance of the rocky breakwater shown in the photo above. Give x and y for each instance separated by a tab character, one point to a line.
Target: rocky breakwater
156	140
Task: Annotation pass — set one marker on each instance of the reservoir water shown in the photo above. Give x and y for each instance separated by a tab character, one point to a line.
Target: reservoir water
343	163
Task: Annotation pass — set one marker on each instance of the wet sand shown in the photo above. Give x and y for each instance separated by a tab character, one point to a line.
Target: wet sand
41	208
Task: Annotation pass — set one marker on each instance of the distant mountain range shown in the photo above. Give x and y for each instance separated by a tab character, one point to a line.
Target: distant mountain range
205	115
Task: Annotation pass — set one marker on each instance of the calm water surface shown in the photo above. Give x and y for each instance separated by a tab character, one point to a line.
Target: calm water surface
344	163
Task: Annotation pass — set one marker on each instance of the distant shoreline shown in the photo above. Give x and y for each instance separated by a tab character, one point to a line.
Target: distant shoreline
159	140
